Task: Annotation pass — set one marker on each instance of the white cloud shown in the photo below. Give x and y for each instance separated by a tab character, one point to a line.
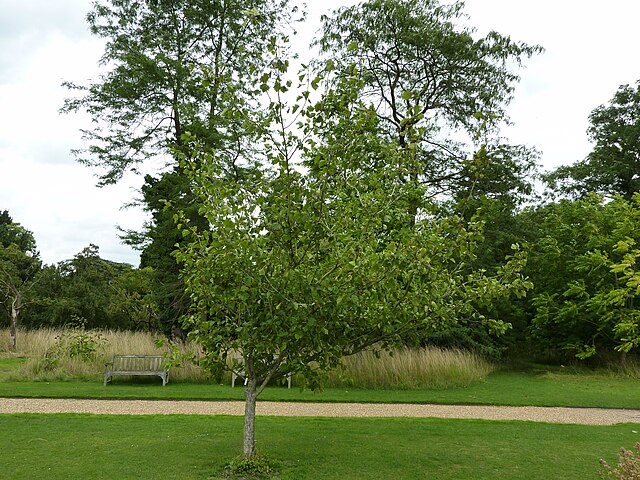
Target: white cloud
64	209
590	49
42	186
25	25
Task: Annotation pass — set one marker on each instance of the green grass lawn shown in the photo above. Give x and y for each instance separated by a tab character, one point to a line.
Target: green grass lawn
9	364
501	388
197	447
193	447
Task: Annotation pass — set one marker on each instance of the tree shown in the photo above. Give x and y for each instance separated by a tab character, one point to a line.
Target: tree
585	270
427	76
492	191
158	240
174	67
437	86
319	254
105	294
612	166
19	263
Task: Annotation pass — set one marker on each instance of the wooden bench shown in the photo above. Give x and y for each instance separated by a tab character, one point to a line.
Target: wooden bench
137	365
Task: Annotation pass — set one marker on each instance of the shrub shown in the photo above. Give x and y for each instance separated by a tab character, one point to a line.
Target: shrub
77	342
256	467
628	467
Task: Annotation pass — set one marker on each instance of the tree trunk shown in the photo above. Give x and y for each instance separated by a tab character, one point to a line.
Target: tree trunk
249	416
16	304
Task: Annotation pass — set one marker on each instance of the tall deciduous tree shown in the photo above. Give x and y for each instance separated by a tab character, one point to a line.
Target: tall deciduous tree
613	166
427	76
433	83
172	67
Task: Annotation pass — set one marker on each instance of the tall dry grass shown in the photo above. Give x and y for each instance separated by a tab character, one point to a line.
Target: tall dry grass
30	343
430	367
48	352
404	369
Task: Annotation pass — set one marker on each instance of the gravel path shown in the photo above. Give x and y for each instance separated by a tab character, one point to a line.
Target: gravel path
584	416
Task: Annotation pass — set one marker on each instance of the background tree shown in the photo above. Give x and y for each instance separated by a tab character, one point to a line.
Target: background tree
427	76
172	68
492	192
19	263
137	298
159	238
613	165
437	87
105	294
585	275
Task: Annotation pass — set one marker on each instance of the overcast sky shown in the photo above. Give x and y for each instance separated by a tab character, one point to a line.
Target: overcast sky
591	49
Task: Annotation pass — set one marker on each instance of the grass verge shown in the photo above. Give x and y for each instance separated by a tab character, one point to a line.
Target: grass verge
190	447
500	388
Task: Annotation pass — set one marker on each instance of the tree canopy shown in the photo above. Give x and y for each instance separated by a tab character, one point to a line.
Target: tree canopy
171	69
426	76
585	270
326	249
104	294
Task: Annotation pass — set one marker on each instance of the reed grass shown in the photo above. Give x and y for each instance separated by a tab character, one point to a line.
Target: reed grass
628	369
49	359
30	343
429	367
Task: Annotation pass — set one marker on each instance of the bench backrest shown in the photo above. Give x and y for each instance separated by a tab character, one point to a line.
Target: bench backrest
138	363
